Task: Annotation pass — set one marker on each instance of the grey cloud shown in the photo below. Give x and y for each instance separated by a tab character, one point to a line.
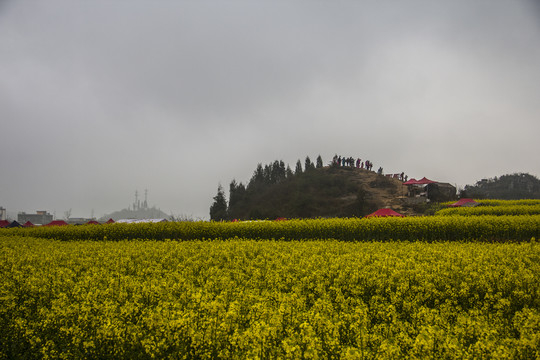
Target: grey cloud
101	98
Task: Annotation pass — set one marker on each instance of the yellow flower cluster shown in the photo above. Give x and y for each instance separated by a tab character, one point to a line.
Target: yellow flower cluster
429	228
247	299
493	208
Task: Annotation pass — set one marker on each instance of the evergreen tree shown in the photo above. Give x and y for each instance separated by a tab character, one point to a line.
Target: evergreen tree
309	165
258	176
288	172
298	169
236	193
218	210
319	162
267	174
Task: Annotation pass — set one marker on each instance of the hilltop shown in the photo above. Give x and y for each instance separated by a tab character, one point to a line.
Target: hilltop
146	213
329	191
138	210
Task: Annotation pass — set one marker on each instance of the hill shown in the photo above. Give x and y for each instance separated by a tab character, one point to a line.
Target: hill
332	191
506	187
141	213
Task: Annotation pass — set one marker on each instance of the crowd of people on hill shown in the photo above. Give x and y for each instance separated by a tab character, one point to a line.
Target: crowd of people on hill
350	161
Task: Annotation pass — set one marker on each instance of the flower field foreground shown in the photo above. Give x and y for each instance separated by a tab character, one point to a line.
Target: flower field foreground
496	210
246	299
428	228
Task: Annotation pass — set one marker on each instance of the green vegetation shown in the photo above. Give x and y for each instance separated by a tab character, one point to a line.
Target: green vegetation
507	187
274	191
241	299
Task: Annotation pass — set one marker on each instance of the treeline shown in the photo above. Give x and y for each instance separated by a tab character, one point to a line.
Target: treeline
242	196
507	187
310	190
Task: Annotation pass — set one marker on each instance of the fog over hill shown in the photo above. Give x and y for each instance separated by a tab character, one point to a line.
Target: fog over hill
138	210
149	213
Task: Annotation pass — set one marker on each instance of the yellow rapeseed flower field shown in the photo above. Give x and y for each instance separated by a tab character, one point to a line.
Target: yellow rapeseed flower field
268	299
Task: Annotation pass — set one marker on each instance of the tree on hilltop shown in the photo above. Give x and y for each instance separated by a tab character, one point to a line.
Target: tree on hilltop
218	210
237	191
319	162
309	165
298	169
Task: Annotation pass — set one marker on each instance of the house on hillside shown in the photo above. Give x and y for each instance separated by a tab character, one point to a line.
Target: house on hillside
429	190
441	192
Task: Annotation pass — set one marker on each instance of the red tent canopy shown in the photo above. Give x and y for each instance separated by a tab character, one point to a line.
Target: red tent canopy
422	181
57	223
4	223
28	224
425	180
92	222
412	181
110	221
464	202
385	213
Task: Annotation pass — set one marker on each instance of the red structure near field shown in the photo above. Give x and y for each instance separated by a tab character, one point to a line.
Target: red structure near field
385	213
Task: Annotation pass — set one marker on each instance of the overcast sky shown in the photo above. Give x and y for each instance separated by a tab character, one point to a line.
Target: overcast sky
101	98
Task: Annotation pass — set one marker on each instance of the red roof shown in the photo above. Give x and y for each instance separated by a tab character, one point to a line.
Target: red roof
384	213
412	181
464	202
4	223
110	221
92	222
28	224
57	223
422	181
425	180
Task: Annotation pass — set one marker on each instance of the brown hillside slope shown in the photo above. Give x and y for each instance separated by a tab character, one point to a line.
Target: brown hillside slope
381	190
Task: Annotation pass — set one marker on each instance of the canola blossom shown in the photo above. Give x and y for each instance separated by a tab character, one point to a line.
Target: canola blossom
268	299
428	228
496	210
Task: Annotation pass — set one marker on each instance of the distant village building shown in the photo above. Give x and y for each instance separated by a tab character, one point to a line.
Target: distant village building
3	213
78	221
39	218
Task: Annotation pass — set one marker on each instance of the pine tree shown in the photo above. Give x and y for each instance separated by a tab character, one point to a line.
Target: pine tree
288	172
298	169
236	193
319	162
309	165
218	210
